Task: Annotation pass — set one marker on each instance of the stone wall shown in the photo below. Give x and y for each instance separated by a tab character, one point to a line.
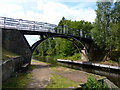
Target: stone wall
14	41
11	67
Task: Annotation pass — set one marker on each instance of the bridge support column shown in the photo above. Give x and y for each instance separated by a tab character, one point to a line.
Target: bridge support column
84	55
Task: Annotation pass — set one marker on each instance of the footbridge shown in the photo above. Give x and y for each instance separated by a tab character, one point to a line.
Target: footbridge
46	30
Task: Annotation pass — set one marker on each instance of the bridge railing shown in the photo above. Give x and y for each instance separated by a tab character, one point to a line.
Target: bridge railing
71	31
40	26
26	25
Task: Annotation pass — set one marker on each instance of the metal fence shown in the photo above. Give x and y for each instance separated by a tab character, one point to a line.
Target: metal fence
26	25
20	24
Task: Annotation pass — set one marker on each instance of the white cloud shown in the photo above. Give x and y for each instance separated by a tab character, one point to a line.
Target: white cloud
54	11
50	11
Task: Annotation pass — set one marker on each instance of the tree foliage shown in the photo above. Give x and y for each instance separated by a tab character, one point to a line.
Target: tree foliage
60	46
78	28
106	29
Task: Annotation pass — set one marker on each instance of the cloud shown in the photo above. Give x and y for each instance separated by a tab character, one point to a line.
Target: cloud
50	11
47	11
54	11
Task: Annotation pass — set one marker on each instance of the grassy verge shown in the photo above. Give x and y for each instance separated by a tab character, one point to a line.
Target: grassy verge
33	60
62	68
20	81
7	54
58	81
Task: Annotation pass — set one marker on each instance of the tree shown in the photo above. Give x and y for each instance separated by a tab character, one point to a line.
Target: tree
106	29
101	31
116	24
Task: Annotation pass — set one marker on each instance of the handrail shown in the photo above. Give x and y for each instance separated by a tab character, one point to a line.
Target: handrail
21	24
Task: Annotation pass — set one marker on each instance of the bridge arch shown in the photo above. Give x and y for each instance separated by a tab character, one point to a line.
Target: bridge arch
33	47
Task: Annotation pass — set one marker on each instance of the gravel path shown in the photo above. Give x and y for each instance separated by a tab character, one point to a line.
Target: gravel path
40	75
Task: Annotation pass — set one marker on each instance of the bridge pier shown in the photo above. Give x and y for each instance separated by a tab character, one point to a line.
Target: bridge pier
84	55
94	53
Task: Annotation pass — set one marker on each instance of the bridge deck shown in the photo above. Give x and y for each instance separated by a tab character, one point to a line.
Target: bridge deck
30	27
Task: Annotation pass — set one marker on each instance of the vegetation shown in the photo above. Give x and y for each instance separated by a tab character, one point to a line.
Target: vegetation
76	56
92	83
19	81
58	48
106	31
63	48
7	54
58	81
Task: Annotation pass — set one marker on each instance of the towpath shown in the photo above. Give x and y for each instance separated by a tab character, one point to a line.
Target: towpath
40	75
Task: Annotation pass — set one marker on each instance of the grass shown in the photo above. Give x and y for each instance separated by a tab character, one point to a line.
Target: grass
7	54
76	56
52	62
62	68
33	60
21	81
58	81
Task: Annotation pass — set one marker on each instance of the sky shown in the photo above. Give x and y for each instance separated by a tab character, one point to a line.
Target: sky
50	11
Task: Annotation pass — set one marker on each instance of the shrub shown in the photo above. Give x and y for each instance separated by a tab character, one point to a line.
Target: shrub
76	56
92	83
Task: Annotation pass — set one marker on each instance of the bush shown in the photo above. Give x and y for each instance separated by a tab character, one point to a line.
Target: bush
76	56
92	83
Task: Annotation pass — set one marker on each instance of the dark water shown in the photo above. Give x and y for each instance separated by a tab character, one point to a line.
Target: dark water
112	75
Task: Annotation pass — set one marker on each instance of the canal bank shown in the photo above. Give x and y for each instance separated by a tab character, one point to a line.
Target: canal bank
111	73
90	64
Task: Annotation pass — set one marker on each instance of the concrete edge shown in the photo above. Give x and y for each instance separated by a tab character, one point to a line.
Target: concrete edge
92	64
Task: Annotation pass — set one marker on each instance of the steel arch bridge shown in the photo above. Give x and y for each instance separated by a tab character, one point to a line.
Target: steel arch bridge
45	31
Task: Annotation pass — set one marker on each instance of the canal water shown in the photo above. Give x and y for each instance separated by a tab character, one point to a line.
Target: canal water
112	75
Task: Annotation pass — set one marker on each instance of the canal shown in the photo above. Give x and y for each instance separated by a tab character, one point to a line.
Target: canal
112	75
